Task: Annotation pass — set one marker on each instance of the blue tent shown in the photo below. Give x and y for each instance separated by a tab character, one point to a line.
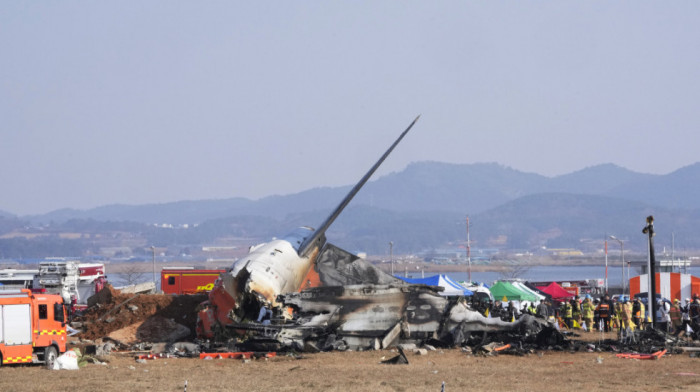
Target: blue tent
451	288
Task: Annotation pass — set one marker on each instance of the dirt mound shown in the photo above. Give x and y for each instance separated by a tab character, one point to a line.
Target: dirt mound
155	329
113	311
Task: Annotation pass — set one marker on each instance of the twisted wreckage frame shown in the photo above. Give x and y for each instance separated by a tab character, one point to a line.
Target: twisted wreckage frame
323	297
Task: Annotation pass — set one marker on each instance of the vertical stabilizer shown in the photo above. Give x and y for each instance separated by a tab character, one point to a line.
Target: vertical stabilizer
320	232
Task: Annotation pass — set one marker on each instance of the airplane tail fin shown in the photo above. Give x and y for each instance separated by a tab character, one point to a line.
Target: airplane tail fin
320	232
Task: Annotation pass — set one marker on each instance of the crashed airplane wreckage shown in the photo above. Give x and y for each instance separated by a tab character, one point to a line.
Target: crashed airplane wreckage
312	293
360	307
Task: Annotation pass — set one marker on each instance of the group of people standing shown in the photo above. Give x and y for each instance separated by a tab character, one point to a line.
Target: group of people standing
606	314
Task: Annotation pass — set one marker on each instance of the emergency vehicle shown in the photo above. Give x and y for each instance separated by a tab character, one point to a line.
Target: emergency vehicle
32	327
187	280
74	281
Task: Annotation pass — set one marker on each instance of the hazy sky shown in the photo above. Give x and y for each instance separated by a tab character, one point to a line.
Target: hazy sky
146	102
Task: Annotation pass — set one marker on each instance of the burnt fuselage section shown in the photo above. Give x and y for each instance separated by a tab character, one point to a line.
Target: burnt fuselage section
380	316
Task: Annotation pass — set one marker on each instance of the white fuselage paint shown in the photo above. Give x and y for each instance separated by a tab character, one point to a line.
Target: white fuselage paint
275	267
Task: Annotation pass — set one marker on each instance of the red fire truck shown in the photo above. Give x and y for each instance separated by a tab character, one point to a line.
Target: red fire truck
187	280
32	327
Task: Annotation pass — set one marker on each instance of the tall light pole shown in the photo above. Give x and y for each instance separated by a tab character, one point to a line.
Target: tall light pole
622	258
391	256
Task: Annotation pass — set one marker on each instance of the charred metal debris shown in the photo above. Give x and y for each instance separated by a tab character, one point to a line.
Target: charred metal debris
359	307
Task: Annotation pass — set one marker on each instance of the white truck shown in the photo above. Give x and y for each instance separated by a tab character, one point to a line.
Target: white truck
74	281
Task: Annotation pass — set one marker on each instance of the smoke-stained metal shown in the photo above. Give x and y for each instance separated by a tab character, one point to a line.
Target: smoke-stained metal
379	316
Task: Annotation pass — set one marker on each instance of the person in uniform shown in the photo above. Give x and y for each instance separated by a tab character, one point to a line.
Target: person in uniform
637	312
565	312
676	318
542	310
604	312
576	311
588	312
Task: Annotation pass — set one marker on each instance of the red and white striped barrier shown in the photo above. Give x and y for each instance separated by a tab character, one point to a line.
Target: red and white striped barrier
671	285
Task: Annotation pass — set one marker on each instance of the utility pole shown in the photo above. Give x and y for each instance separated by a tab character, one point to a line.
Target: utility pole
649	230
469	254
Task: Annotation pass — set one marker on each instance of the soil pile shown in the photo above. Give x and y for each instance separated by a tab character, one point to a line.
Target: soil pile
113	311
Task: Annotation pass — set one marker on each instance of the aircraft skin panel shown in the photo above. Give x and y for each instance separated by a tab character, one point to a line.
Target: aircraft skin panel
276	269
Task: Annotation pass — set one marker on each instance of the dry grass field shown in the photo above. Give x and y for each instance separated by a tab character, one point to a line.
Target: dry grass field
361	371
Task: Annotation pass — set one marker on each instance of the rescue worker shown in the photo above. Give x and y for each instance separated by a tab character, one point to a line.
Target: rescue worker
638	313
542	310
676	318
694	314
576	311
686	315
265	315
615	316
565	312
588	311
596	315
613	313
625	318
531	309
73	305
604	313
489	308
512	311
663	318
497	310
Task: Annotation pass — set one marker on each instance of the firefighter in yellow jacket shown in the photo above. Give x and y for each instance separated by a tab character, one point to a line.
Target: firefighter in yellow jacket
625	316
588	311
676	317
576	312
565	313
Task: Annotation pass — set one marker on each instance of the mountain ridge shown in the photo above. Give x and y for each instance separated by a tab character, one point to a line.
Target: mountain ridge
421	186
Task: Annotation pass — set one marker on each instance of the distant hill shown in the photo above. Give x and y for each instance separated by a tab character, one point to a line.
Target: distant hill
558	220
429	186
424	207
423	186
679	189
597	180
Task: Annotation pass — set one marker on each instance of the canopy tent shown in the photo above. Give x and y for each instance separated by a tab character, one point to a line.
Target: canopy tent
505	289
556	291
451	288
523	287
546	296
